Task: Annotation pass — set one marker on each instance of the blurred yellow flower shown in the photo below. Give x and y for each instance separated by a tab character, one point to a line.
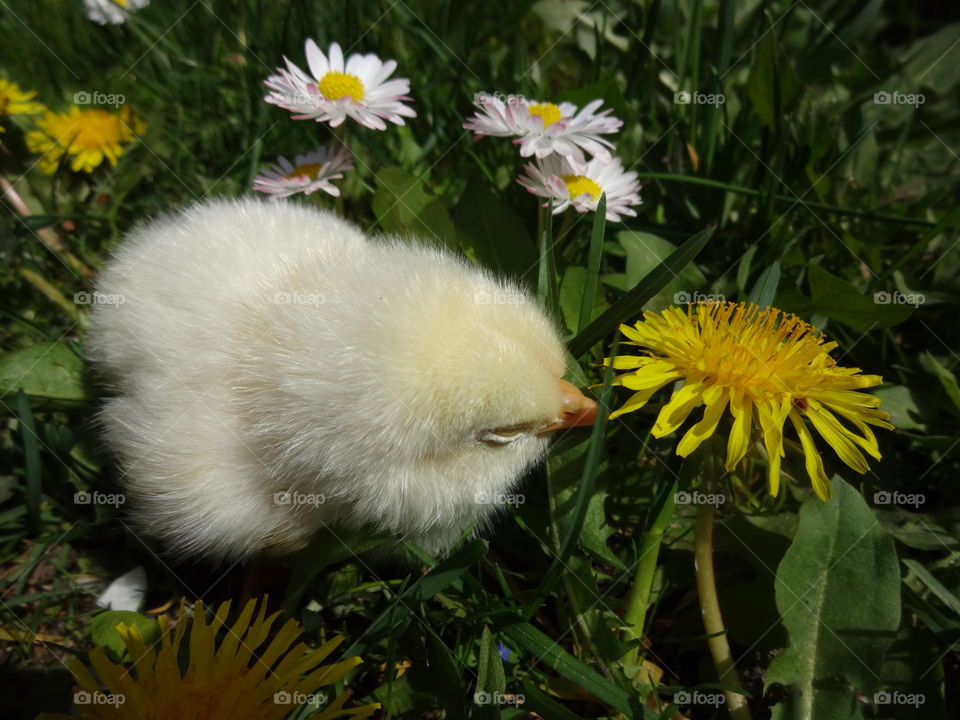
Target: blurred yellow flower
756	362
221	682
14	101
87	136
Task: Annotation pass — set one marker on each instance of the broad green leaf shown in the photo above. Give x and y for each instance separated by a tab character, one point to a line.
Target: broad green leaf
49	373
103	631
838	632
899	401
491	680
492	234
644	253
404	205
947	379
571	297
839	300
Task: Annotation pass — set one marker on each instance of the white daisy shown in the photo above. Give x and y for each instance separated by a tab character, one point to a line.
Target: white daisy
544	128
579	184
306	174
337	90
112	11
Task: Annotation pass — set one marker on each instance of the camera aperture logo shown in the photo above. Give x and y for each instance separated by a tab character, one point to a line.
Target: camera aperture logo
498	297
684	298
296	499
497	698
86	497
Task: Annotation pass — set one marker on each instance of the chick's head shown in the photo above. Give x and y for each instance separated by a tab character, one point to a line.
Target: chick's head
448	385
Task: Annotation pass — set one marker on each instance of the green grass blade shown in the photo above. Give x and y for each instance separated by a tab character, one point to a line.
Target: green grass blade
593	263
550	653
31	452
632	302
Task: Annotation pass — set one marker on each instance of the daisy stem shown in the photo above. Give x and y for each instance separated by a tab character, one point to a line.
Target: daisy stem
547	277
710	609
340	133
639	600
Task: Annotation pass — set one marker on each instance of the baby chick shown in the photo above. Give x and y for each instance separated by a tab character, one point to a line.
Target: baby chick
273	371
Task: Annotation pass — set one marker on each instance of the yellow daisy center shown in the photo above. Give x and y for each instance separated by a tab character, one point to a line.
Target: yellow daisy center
578	185
336	85
548	112
310	170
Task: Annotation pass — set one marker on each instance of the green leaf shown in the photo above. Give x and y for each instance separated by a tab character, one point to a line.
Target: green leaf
765	289
644	252
491	680
103	631
49	373
838	632
572	294
593	265
899	401
492	234
934	585
549	652
631	303
403	204
947	379
32	465
839	300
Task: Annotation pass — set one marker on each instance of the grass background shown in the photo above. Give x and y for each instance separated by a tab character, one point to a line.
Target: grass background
820	198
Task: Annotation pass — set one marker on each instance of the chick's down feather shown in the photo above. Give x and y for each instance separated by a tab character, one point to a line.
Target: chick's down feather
271	371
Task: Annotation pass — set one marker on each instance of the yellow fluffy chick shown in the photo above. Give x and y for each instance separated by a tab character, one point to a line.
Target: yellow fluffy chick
273	370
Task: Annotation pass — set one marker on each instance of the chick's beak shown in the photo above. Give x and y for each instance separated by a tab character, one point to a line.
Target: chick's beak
578	410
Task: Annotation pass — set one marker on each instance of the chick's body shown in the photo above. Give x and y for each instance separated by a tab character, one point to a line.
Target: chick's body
273	370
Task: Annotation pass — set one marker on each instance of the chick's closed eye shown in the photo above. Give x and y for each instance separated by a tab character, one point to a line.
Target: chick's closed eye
269	350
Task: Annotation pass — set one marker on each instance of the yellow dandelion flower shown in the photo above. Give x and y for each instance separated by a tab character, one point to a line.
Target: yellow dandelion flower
221	682
14	101
761	364
87	136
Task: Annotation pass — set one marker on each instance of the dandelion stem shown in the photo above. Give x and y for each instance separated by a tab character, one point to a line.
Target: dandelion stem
710	609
